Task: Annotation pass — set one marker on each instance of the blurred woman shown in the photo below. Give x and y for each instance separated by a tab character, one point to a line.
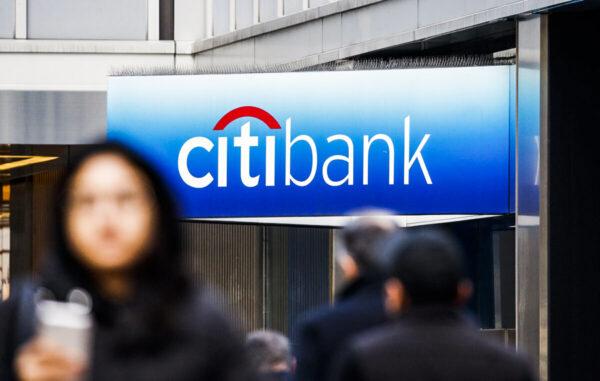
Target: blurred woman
116	237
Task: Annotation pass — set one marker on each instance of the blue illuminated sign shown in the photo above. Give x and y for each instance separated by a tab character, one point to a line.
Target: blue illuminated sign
418	141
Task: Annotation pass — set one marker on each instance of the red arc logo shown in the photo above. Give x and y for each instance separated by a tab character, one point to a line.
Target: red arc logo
247	111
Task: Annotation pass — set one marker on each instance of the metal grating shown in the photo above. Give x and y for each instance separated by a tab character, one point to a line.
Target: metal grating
299	268
267	276
228	258
44	184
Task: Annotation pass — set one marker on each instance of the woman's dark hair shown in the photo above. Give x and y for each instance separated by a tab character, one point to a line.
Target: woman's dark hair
159	281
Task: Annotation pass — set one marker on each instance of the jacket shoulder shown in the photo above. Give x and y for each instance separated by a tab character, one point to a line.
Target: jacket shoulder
460	348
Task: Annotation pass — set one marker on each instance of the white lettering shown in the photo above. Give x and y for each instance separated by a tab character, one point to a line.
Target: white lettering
367	145
246	141
222	164
349	178
270	162
182	162
288	156
417	155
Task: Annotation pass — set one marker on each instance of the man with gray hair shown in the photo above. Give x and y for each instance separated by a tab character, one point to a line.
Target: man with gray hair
358	307
269	354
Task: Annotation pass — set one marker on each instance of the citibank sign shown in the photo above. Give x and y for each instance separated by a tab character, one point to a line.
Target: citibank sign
423	141
245	141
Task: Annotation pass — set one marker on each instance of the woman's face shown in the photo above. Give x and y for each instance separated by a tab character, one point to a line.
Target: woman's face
110	215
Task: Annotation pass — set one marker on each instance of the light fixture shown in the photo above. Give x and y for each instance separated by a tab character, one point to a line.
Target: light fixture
22	161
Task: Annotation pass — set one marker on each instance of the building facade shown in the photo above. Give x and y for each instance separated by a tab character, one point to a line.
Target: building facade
56	57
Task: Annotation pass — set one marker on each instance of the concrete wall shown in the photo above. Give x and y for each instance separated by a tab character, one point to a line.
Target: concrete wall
348	28
325	32
87	19
52	117
75	65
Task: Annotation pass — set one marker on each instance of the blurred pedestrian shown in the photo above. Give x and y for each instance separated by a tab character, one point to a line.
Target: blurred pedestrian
270	355
116	238
431	340
358	307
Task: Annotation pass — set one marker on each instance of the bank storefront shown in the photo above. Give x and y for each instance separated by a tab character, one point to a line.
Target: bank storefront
255	227
265	174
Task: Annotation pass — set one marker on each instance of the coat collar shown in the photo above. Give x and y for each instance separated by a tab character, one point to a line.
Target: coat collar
436	314
362	284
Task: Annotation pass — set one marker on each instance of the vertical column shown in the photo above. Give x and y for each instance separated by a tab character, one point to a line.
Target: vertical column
573	206
153	20
232	16
255	11
209	18
21	19
167	19
532	191
21	258
4	241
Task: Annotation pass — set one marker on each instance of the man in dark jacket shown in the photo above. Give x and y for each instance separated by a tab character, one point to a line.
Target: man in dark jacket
358	307
431	340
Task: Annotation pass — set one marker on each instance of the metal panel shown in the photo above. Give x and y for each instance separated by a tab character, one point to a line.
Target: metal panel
197	60
434	11
276	47
167	19
52	117
43	189
7	18
379	20
318	3
531	243
267	10
244	13
368	25
277	282
299	273
332	32
190	19
228	257
241	53
269	276
21	260
292	6
504	278
87	19
221	17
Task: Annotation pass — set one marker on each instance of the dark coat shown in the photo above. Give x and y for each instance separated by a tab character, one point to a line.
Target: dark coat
429	343
204	347
321	335
274	376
